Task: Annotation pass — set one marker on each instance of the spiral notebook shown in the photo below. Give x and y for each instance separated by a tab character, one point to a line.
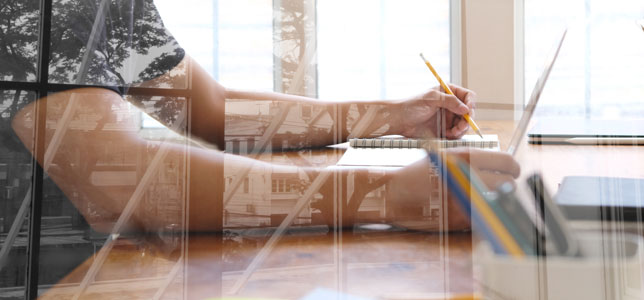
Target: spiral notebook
396	151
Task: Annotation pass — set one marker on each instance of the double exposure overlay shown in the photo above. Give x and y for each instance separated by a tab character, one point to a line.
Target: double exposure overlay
301	149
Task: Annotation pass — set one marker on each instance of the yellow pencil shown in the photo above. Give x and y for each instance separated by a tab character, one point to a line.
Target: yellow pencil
449	91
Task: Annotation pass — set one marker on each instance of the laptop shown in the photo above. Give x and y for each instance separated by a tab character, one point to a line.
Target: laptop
517	137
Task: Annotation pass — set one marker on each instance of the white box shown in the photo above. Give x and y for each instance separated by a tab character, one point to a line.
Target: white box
611	268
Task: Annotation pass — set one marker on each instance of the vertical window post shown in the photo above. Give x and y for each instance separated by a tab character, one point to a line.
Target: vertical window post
33	250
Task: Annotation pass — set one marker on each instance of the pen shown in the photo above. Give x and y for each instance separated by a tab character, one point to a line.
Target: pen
449	91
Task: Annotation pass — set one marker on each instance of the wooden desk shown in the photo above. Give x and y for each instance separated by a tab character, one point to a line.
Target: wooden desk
393	264
390	264
555	162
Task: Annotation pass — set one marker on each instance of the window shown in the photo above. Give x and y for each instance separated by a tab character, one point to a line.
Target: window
15	182
235	42
599	71
377	57
37	63
231	39
281	185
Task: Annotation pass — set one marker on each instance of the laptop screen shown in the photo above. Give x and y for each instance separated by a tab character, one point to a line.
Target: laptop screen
534	98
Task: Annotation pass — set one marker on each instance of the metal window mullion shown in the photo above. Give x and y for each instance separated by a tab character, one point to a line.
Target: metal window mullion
57	87
33	250
19	85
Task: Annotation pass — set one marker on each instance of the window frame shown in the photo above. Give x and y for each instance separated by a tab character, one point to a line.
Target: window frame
41	87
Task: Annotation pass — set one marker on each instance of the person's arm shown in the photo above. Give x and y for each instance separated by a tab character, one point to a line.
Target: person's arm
429	114
72	170
87	151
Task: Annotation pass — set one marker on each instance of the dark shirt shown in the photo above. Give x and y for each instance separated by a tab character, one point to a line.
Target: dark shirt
112	43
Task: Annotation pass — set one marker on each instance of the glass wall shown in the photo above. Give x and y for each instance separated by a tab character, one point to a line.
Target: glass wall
15	179
52	222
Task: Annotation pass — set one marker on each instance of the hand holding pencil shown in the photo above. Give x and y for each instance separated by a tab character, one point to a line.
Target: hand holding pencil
433	114
449	91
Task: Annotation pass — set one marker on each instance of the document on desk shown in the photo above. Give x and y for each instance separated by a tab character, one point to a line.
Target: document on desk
395	151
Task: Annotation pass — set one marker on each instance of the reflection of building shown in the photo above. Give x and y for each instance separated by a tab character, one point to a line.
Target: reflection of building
265	197
66	239
121	166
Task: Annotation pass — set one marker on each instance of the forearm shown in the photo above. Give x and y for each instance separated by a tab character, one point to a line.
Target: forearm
332	121
198	170
329	121
233	94
74	166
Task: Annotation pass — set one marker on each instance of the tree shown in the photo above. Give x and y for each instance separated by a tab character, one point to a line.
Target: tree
132	30
18	39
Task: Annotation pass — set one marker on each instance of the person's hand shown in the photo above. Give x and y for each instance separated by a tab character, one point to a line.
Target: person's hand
434	114
492	167
410	187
